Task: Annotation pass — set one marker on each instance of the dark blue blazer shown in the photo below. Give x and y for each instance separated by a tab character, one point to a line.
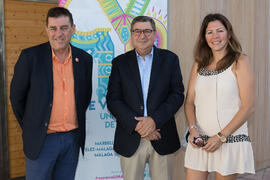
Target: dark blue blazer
165	97
31	93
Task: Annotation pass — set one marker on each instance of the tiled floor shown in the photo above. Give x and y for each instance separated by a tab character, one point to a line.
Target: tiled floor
260	175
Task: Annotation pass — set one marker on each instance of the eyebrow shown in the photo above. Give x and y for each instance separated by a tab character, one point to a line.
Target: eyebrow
58	26
143	29
217	28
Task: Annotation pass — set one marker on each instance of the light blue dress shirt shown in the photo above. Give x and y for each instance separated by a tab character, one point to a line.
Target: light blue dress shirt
145	67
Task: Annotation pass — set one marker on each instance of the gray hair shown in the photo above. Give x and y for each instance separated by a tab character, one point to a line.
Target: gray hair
143	19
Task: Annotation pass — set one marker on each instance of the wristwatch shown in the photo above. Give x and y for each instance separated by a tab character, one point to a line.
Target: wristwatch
221	137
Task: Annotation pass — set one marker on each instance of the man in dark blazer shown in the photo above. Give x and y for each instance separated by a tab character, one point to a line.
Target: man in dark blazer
50	92
145	91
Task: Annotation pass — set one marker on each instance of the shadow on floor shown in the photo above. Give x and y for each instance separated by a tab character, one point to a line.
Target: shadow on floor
18	178
263	174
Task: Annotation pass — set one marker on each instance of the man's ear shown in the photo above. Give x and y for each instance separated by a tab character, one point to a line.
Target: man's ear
73	28
46	29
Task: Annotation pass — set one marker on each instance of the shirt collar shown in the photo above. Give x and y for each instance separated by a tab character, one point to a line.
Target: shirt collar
150	54
67	58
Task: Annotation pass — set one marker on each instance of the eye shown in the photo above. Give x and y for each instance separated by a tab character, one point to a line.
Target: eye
137	31
208	32
52	29
64	28
147	32
220	30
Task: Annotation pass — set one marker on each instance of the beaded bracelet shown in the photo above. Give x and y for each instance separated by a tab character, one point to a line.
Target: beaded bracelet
192	126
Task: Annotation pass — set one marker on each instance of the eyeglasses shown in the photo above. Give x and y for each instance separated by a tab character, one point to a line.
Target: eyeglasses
146	32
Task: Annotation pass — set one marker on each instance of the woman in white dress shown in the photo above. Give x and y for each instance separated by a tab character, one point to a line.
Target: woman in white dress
219	100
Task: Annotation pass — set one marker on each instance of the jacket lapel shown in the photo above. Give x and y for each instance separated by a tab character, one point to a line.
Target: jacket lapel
49	68
47	61
155	70
75	63
135	72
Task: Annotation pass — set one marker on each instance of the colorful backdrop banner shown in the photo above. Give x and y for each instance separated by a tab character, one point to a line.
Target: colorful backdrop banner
103	30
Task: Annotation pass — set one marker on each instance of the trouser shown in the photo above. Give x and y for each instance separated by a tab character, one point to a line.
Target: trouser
160	166
58	158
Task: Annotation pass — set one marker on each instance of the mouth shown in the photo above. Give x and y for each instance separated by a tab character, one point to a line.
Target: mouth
59	41
142	41
216	42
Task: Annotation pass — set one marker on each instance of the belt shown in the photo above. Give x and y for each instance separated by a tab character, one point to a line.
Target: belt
63	132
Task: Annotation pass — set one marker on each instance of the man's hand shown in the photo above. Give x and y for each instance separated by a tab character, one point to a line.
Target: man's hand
145	126
154	136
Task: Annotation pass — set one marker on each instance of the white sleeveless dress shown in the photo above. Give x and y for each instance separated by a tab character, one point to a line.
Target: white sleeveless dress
217	100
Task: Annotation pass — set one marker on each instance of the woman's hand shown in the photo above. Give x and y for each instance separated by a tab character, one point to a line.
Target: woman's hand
193	134
212	144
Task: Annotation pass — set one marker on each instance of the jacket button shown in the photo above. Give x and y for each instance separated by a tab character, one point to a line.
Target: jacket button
141	107
46	124
50	105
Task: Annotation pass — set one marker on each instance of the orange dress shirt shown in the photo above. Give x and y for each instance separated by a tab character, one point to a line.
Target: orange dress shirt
63	114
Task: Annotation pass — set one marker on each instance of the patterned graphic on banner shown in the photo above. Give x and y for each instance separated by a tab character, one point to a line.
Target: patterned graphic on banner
103	30
98	43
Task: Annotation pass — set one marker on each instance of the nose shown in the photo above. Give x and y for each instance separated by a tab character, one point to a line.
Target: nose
215	34
58	32
142	34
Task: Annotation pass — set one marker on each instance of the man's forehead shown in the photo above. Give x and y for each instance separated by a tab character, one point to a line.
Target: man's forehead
142	24
55	25
59	21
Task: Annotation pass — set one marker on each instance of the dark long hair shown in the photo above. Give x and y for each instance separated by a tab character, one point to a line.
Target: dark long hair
202	52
